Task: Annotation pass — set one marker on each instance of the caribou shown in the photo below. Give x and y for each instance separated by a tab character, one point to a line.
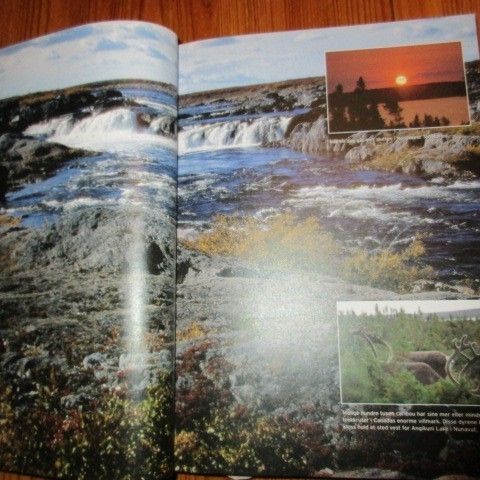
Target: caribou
429	366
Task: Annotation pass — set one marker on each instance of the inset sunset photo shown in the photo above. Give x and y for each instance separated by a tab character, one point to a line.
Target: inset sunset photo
413	86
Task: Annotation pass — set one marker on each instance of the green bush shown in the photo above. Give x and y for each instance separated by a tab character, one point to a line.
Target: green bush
367	378
216	433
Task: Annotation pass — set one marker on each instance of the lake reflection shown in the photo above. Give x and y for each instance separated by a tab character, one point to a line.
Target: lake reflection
453	108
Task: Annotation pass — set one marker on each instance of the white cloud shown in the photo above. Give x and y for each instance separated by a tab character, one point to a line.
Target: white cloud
283	55
91	53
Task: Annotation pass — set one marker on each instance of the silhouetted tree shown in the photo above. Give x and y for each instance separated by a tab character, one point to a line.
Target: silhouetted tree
416	122
364	113
427	120
395	111
361	86
339	121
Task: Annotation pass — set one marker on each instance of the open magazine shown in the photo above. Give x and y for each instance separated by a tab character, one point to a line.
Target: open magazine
253	255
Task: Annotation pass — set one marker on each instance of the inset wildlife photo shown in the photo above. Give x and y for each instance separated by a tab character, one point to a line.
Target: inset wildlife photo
410	352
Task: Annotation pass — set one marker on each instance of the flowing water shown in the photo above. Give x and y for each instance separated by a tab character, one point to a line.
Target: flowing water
225	168
131	167
128	161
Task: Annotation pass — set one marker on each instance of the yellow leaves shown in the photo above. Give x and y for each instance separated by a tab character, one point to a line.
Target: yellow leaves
185	439
8	221
283	242
286	243
192	332
415	250
390	270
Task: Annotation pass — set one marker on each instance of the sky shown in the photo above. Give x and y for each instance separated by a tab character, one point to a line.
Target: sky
409	306
381	67
249	59
89	53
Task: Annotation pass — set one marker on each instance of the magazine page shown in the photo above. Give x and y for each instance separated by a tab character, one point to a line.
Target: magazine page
328	275
87	241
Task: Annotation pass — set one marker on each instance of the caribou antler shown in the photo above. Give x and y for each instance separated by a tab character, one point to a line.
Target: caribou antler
373	339
418	363
468	352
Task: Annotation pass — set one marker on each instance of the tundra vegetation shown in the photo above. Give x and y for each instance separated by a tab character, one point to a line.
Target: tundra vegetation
223	435
116	436
370	376
286	242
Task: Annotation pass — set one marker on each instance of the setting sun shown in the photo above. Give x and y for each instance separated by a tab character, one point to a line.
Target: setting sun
401	80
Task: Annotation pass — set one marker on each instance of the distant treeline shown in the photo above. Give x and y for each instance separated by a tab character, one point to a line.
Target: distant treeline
359	110
424	91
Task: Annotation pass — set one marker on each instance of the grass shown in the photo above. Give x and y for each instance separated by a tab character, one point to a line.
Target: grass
473	129
394	161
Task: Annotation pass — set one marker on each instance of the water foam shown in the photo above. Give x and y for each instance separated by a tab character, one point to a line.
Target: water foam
113	130
233	134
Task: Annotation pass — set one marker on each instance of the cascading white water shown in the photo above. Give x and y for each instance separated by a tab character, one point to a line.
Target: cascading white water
230	134
111	130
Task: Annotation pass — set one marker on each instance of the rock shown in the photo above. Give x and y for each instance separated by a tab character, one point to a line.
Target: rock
155	258
237	272
159	360
28	159
461	289
373	473
95	238
3	183
433	167
7	140
423	286
324	472
75	400
411	167
360	153
94	360
456	477
400	143
309	137
183	267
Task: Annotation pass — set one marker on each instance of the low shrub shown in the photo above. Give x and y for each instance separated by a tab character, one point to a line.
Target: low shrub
281	243
388	269
115	437
288	244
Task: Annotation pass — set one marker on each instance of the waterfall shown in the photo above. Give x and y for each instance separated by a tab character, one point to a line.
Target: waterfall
110	130
231	134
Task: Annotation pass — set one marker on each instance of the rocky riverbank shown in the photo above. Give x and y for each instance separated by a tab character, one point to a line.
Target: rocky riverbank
449	153
63	308
250	311
27	158
264	342
76	233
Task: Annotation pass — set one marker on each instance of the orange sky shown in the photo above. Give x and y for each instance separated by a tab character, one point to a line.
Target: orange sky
380	66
